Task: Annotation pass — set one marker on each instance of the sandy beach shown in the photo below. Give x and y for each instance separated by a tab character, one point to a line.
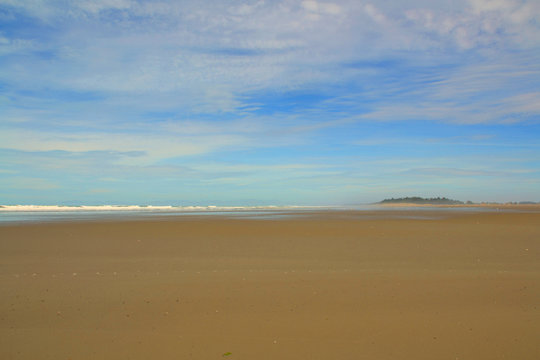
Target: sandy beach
332	285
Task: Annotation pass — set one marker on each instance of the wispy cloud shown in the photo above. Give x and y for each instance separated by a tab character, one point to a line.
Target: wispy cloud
455	172
148	147
151	85
207	57
28	183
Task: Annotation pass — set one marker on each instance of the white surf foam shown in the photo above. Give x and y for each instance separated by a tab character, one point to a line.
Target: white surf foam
96	208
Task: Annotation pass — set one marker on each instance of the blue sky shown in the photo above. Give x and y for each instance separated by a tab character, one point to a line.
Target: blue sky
268	102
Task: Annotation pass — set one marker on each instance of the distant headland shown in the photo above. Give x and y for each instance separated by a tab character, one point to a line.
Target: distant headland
417	200
423	201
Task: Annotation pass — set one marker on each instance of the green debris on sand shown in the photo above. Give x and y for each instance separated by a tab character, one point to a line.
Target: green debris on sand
227	354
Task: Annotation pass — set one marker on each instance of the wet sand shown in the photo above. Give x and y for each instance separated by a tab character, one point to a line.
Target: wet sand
333	285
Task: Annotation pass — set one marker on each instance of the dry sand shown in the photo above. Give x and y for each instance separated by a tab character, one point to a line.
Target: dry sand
334	285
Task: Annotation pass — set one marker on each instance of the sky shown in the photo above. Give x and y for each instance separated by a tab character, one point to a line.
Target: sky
282	102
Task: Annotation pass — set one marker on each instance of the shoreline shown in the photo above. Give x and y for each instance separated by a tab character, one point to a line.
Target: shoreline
403	210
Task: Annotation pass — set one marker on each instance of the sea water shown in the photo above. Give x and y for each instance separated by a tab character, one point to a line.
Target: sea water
53	213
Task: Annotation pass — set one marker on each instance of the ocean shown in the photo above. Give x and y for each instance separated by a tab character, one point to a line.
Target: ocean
11	214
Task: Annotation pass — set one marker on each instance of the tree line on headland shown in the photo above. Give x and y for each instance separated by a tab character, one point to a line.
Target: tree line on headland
446	201
420	200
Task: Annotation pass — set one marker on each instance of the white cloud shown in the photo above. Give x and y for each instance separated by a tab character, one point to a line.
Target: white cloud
28	183
311	5
150	143
9	46
141	85
202	58
524	103
322	7
456	172
95	6
41	9
498	91
375	14
152	147
49	10
515	11
483	23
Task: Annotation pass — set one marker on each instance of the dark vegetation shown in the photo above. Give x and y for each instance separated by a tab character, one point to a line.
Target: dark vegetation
420	200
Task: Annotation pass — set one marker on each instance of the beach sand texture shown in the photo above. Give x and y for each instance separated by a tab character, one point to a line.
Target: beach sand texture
333	285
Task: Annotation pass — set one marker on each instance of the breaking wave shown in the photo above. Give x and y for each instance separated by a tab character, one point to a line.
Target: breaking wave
148	208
